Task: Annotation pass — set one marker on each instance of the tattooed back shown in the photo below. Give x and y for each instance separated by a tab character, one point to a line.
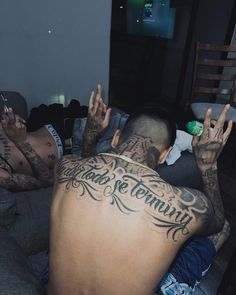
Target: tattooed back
116	226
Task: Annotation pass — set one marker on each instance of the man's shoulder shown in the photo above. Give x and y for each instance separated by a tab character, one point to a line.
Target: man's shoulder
196	203
66	162
188	195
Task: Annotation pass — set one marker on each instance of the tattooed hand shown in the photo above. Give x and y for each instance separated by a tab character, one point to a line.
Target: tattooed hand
208	147
14	126
98	120
98	114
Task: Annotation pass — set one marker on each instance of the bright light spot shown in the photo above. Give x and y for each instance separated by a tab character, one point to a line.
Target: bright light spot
58	98
49	32
137	20
121	7
61	99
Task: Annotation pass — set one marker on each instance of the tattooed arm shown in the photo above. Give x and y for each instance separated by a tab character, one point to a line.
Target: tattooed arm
18	182
40	169
219	238
15	130
207	150
98	119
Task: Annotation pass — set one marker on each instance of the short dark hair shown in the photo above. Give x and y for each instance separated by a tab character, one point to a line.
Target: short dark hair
151	121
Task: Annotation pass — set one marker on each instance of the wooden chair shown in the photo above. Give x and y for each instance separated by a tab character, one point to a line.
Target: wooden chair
214	80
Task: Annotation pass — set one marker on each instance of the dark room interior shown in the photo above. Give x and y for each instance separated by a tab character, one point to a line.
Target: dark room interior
151	69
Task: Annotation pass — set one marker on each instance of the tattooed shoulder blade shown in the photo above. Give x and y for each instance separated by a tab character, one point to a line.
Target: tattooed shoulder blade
169	209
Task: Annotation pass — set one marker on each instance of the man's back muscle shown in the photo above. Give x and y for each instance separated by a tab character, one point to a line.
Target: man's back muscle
116	226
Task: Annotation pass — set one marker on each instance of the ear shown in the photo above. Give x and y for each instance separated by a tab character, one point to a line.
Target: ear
164	154
116	138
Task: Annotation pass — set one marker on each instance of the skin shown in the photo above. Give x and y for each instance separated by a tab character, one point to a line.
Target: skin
96	122
116	226
219	238
31	155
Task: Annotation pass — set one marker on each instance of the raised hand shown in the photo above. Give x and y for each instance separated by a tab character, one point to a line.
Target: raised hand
208	147
98	120
98	114
13	126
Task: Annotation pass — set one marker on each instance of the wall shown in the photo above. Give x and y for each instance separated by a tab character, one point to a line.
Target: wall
52	51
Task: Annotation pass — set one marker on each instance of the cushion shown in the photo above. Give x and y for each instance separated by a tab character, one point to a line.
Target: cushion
7	208
16	273
199	109
183	173
31	228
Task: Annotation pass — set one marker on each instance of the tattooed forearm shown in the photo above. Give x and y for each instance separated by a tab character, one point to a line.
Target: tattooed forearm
219	238
89	143
40	169
20	182
212	191
90	136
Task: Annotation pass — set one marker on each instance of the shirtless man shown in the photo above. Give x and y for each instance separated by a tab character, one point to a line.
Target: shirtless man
27	159
116	226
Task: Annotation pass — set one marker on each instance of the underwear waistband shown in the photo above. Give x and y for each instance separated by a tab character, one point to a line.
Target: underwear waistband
57	140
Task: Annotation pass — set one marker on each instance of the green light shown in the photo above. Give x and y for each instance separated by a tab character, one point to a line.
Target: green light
148	5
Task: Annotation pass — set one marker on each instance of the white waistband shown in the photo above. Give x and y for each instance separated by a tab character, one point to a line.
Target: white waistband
57	140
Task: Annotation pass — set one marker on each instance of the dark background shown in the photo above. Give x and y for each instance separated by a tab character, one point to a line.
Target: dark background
156	70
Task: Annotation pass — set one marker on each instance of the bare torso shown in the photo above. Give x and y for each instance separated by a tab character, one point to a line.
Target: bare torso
115	228
40	140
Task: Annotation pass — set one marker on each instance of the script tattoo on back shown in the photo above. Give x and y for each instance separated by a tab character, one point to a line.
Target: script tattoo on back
104	178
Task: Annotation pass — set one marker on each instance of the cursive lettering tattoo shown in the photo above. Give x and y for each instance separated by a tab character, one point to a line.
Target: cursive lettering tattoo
133	189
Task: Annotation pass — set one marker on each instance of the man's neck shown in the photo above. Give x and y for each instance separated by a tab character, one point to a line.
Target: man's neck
137	148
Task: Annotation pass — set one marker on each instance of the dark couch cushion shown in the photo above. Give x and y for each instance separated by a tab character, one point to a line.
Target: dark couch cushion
16	273
184	172
31	228
7	208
